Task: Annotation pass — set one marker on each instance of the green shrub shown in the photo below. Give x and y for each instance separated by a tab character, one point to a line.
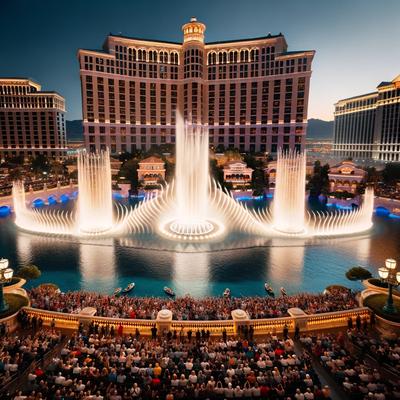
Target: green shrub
29	272
358	274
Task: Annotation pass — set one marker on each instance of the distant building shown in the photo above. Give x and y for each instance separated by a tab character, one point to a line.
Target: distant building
345	177
31	120
151	171
368	126
238	174
252	93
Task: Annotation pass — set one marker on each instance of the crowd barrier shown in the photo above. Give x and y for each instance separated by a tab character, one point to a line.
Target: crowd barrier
314	322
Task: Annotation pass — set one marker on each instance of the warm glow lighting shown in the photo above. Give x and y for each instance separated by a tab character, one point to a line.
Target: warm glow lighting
8	273
95	213
390	263
190	219
3	263
193	207
289	201
398	276
383	272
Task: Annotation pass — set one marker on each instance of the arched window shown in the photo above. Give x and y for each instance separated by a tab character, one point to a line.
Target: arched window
174	58
212	58
254	55
222	57
142	55
163	57
233	56
244	56
152	56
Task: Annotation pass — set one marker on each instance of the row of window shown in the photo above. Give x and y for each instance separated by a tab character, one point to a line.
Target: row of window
17	89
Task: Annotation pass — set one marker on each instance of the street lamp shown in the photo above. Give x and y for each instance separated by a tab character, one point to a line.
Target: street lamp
392	278
6	275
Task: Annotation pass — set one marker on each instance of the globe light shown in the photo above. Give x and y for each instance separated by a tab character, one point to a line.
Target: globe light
383	272
3	264
390	263
8	273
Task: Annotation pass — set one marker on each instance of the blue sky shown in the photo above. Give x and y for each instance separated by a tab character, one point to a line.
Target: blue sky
357	41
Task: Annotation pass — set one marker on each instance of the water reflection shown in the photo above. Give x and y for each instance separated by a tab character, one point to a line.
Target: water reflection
24	248
97	265
190	274
285	266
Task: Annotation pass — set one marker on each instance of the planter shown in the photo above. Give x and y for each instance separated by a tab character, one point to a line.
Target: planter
377	285
15	283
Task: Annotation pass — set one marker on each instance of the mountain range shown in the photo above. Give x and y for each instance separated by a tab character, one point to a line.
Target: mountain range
317	129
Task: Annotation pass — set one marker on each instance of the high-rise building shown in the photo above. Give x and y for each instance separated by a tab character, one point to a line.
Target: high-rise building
31	121
368	126
252	93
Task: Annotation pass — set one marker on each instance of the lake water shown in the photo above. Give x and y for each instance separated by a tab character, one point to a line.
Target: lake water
240	262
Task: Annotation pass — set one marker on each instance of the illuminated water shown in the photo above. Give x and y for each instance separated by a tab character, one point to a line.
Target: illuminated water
245	264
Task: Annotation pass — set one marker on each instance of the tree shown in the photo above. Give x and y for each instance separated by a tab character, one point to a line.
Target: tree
40	164
319	181
358	274
16	174
129	172
372	176
57	168
169	170
217	172
220	148
259	181
29	272
391	173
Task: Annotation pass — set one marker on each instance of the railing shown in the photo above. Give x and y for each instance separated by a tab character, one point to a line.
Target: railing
312	322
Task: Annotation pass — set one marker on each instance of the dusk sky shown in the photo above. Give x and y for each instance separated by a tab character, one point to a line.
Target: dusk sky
357	41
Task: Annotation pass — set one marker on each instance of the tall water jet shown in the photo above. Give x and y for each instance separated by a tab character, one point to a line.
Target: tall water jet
95	210
190	219
289	198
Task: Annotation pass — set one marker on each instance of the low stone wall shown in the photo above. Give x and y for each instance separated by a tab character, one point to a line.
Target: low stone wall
315	322
369	286
11	288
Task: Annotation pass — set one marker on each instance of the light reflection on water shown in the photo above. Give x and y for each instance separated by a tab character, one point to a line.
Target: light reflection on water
243	264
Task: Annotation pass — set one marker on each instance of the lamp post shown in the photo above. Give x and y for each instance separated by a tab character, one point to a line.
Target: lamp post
5	276
389	275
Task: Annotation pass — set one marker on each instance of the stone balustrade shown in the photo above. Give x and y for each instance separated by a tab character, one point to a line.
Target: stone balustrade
165	322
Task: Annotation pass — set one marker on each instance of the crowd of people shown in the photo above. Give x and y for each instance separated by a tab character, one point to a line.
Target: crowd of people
386	351
189	308
96	367
359	379
17	352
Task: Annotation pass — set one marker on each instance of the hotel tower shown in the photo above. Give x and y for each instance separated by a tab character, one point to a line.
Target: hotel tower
251	93
31	120
367	127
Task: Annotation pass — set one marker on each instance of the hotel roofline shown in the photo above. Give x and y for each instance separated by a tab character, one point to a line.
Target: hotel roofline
382	86
207	45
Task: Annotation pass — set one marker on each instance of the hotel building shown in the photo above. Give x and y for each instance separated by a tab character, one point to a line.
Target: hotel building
31	121
368	126
251	93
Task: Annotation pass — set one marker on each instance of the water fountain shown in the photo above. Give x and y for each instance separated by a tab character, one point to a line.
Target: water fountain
95	209
289	203
193	207
93	212
190	214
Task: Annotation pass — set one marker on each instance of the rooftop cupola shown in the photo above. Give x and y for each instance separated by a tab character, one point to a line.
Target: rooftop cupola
193	31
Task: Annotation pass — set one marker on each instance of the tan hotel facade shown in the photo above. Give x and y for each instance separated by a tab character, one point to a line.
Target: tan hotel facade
251	93
32	121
